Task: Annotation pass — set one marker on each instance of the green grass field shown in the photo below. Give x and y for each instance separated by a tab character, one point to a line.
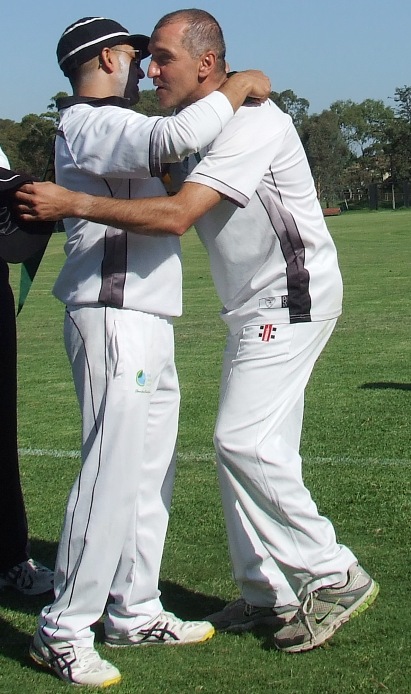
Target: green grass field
356	463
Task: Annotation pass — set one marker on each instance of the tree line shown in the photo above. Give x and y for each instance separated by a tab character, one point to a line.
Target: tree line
349	146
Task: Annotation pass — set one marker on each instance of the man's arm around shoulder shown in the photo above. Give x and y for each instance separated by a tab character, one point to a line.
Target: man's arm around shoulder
165	215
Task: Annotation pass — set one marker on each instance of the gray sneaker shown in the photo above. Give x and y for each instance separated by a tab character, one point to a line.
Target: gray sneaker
325	610
73	664
166	629
239	616
29	578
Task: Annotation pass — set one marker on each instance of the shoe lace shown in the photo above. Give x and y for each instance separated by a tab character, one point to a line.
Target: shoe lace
35	566
305	610
91	659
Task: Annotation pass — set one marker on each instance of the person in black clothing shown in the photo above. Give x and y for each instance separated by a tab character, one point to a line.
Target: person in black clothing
17	569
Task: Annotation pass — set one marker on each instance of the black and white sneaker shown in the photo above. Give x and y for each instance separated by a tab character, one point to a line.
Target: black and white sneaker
73	664
166	629
29	578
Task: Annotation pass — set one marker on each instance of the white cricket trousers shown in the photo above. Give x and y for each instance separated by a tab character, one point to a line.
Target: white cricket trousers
281	548
117	513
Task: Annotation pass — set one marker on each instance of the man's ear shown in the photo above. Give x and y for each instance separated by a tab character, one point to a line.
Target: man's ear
207	64
105	60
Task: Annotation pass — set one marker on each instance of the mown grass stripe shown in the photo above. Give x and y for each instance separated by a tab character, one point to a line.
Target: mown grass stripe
210	457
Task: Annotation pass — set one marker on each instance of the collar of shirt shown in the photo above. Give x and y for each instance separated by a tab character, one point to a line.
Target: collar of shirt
67	101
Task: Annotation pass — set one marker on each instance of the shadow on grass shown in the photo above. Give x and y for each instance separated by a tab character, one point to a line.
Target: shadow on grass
14	643
191	605
188	604
43	551
385	385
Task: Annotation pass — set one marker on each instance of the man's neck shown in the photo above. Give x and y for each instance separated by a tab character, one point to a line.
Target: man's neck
204	89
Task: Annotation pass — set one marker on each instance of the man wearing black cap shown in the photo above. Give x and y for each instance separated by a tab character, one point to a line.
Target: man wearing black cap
121	292
17	569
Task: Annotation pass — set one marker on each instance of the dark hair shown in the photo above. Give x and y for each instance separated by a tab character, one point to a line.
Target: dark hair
203	33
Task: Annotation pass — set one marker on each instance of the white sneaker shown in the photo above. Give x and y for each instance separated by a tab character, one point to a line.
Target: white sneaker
73	664
29	577
324	610
166	629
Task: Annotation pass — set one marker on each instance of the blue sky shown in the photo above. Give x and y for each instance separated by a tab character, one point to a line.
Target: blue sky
323	50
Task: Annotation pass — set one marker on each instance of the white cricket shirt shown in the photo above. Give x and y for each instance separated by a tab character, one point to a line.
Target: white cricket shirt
272	257
105	149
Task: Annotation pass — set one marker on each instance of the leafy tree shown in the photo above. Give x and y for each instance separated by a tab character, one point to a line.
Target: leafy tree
52	113
397	148
35	146
327	152
149	106
364	127
10	134
289	102
28	144
397	143
403	98
363	124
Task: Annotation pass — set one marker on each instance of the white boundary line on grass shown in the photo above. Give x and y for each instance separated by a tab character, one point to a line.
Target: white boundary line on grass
210	457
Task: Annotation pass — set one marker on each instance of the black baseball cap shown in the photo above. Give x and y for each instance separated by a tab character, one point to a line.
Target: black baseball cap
18	240
85	39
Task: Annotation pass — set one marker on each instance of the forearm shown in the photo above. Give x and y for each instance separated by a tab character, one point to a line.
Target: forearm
158	215
142	216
